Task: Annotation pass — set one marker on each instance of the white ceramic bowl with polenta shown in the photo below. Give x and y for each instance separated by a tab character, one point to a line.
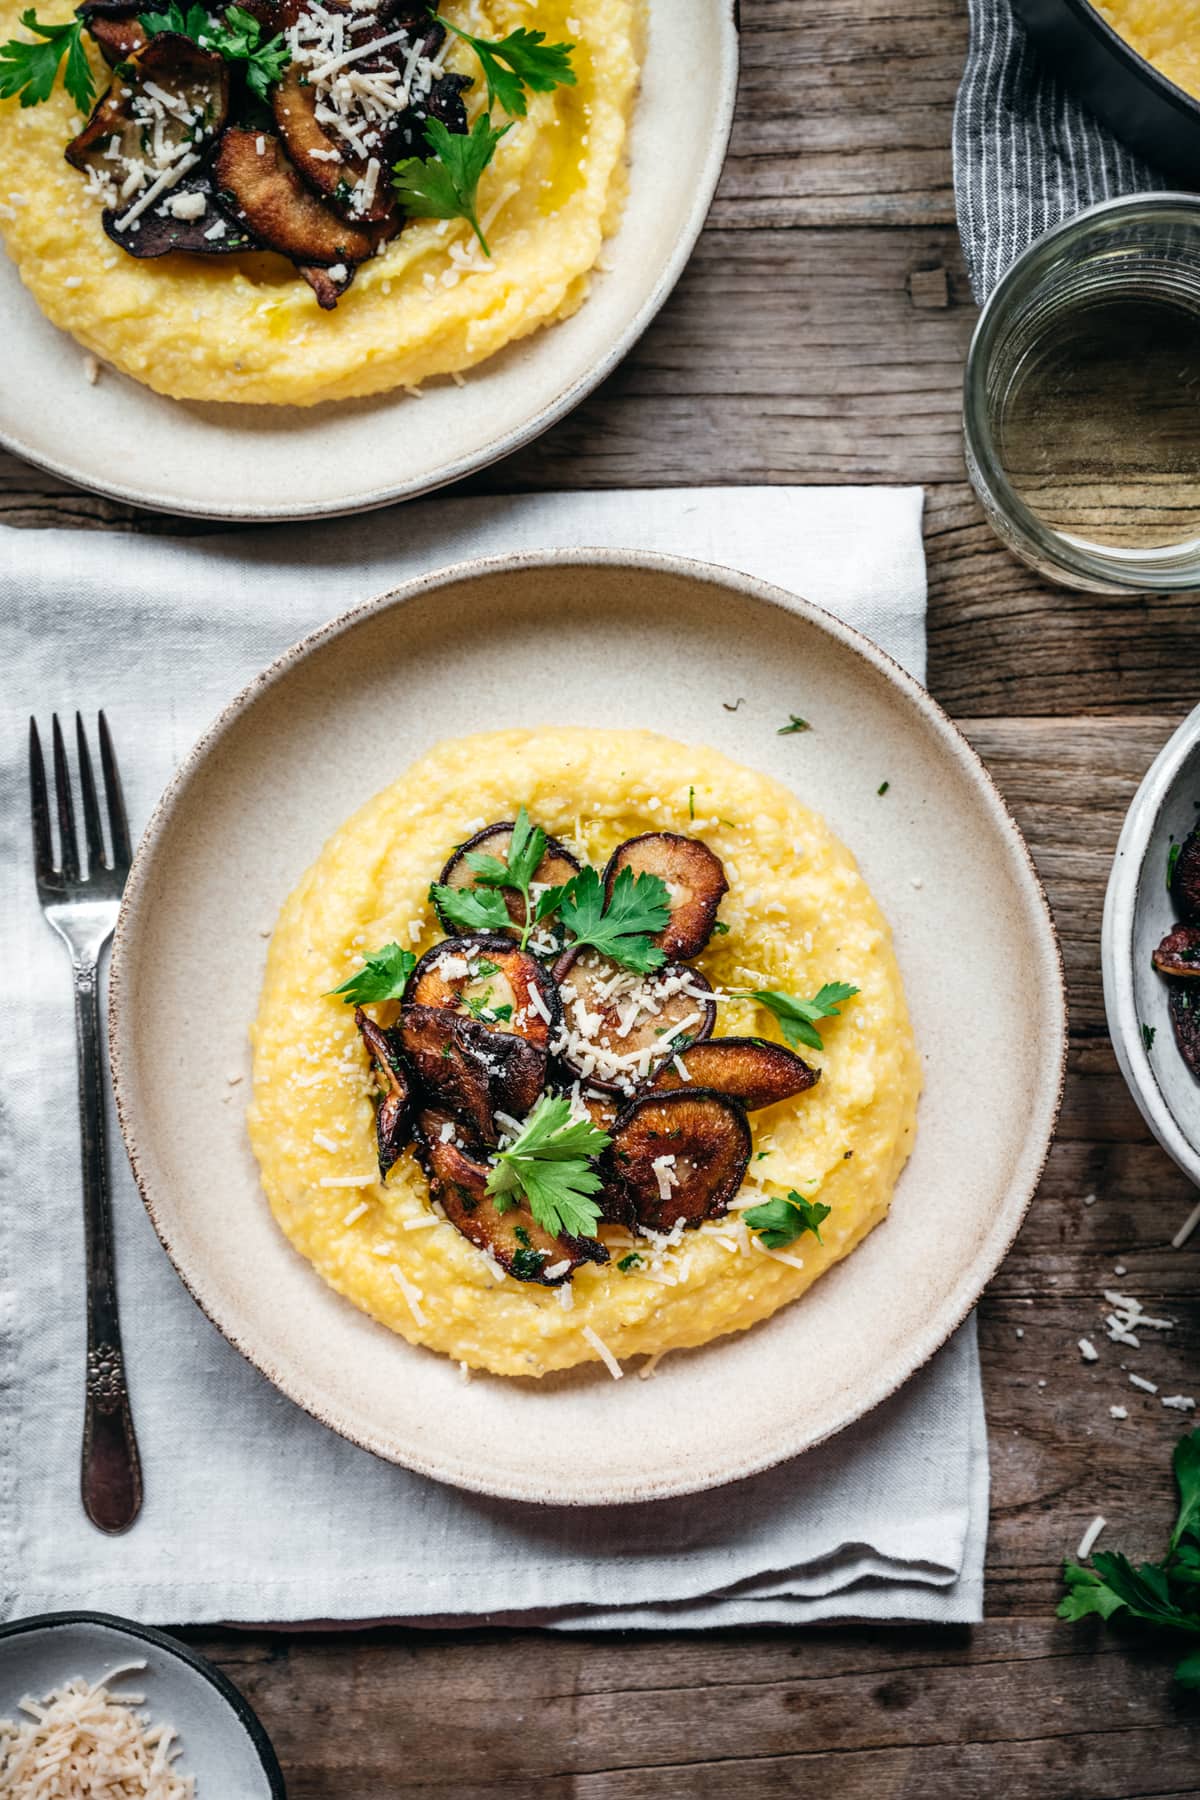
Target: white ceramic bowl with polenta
610	694
797	915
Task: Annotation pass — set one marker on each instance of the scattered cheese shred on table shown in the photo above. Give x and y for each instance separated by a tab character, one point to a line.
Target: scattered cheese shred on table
84	1743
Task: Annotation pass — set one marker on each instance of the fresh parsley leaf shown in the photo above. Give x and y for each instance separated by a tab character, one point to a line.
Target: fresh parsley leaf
446	186
632	1261
638	907
1187	1673
521	60
780	1222
1186	1463
482	1008
798	1018
527	1264
1086	1594
382	977
194	23
238	37
29	68
795	723
1172	859
550	1162
470	909
526	849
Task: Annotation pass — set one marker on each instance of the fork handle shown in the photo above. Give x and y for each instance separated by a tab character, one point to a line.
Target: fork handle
111	1473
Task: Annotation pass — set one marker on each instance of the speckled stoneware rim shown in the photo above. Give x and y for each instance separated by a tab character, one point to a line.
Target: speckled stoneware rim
239	508
1044	1101
137	1634
1129	871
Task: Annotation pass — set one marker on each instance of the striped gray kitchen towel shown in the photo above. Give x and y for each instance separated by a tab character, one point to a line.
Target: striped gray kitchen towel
1026	153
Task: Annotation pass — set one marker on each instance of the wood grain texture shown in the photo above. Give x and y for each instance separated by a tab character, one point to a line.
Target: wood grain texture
818	336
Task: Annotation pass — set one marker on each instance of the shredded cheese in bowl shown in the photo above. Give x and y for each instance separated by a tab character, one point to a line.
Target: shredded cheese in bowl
83	1742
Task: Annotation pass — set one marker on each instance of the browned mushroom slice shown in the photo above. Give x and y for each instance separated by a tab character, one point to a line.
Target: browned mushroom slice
118	34
748	1070
186	219
680	1156
1185	878
695	881
556	867
157	117
472	1071
1183	1001
393	1117
356	187
1179	953
487	979
618	1027
327	285
263	192
458	1181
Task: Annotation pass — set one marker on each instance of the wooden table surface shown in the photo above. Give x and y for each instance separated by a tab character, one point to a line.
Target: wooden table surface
818	335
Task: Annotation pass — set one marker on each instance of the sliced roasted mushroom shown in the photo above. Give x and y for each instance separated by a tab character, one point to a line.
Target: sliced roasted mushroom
619	1026
151	129
679	1156
486	978
356	187
393	1117
748	1070
1185	878
695	880
328	284
1184	1003
473	1072
1179	953
116	30
262	191
186	219
458	1181
556	867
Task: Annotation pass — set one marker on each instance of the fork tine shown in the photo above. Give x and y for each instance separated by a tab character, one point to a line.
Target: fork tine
91	811
68	849
43	849
118	825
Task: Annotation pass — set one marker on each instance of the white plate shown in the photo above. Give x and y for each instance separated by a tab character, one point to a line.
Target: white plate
635	641
223	1744
279	462
1137	915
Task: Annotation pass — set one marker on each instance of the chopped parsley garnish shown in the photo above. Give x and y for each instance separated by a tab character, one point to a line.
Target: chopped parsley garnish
521	60
527	1264
1172	859
780	1222
446	185
550	1163
798	1018
632	1261
1165	1595
883	787
471	909
720	928
623	929
1148	1033
691	803
382	977
238	37
795	723
29	69
482	1008
526	849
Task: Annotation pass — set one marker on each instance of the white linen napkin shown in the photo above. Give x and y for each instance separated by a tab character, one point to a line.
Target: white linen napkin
253	1510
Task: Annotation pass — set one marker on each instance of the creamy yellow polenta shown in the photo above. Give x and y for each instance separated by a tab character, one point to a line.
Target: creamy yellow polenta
249	329
1165	32
799	914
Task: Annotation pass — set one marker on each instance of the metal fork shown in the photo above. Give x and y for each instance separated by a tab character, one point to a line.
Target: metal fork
83	908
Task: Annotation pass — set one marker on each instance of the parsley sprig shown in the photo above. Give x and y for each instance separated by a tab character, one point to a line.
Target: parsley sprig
238	37
550	1163
470	908
798	1018
781	1221
382	977
526	849
638	906
446	184
521	60
1166	1594
29	68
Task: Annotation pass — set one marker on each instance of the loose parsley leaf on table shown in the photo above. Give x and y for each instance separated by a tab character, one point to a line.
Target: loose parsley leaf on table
798	1018
446	185
29	68
638	906
549	1162
382	977
795	723
521	60
1166	1594
780	1222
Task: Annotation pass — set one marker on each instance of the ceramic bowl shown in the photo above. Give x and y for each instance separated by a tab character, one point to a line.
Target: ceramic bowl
658	642
1137	914
259	463
222	1743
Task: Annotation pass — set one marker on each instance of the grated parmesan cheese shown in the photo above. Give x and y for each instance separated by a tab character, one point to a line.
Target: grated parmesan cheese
1186	1229
83	1742
604	1353
1088	1540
